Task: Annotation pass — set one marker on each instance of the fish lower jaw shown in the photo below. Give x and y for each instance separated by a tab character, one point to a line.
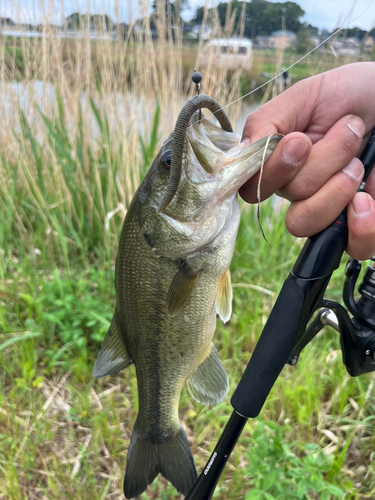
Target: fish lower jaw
219	215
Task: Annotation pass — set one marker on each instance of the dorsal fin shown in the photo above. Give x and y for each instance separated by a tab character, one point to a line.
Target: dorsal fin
113	355
181	287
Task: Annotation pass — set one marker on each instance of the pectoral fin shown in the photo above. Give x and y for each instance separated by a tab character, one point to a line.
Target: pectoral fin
209	383
180	290
224	297
113	355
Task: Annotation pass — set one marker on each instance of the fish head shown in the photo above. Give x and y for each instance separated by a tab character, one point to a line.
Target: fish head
215	164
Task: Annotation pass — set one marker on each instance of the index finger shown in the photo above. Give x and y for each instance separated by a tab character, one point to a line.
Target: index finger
284	114
313	105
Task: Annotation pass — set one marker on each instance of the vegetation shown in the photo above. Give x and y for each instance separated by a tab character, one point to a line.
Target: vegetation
82	120
77	21
260	18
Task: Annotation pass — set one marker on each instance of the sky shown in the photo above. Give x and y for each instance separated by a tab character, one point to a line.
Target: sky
326	14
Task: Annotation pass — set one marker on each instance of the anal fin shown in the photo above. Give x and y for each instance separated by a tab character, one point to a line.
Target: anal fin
209	383
113	355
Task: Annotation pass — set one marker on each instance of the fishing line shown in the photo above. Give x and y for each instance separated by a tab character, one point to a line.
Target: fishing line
259	182
298	61
279	74
287	69
271	80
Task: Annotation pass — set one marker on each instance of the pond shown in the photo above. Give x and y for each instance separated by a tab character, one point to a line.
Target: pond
28	96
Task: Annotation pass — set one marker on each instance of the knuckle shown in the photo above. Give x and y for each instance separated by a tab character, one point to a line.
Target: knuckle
254	118
297	191
295	223
350	146
358	251
343	187
361	245
306	190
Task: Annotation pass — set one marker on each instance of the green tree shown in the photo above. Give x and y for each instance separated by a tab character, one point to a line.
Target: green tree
256	22
80	21
266	17
172	11
313	30
169	6
356	33
261	17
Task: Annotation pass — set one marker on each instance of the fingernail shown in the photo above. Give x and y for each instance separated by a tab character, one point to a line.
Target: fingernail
357	126
295	151
354	169
361	204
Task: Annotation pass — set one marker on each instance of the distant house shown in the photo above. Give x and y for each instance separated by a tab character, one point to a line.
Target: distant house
278	40
123	29
282	39
314	40
48	27
262	42
346	47
6	21
195	31
368	44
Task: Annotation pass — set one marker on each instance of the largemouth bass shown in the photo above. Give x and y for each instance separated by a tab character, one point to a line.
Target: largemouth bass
172	279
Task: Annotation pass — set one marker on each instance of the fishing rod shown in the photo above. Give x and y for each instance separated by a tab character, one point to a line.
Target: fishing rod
285	334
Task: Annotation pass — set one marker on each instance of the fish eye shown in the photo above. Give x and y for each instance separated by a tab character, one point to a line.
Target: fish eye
166	159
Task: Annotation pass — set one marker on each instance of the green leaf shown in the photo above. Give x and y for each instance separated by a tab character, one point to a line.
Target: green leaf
270	479
254	494
301	488
268	496
334	490
311	446
316	481
38	382
324	495
20	382
13	340
297	472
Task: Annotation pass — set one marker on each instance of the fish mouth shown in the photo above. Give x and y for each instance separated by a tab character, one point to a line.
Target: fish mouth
179	136
243	162
222	154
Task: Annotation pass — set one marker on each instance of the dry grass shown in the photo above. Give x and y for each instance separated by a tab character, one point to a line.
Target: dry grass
73	112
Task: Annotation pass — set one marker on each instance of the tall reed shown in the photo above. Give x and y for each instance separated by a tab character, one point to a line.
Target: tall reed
73	111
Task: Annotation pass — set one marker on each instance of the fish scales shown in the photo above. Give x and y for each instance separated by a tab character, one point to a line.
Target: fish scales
172	279
168	357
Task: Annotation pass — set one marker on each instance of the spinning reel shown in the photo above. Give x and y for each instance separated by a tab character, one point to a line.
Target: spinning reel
357	334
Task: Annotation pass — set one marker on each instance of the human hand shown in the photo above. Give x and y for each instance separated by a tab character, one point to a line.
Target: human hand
325	120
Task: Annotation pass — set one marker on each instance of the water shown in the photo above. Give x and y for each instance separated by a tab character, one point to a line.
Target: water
38	93
123	108
71	34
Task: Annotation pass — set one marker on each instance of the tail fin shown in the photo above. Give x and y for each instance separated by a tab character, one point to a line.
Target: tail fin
171	457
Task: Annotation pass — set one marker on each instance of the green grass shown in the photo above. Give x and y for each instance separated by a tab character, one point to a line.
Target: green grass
66	177
67	437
